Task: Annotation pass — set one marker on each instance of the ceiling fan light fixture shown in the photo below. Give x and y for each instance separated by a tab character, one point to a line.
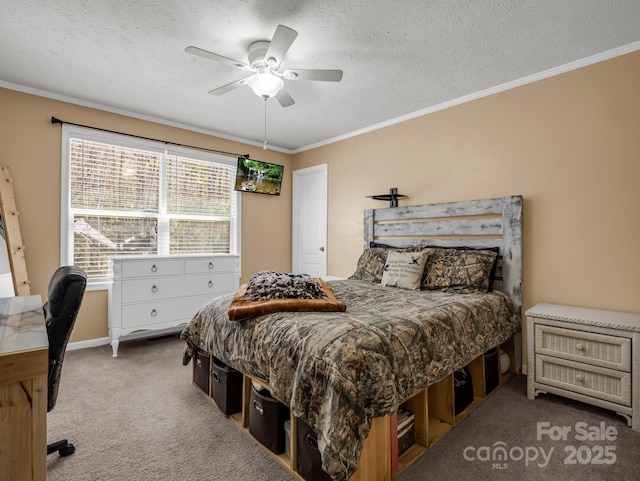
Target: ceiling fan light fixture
265	85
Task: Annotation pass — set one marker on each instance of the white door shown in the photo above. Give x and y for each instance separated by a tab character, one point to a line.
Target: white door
310	221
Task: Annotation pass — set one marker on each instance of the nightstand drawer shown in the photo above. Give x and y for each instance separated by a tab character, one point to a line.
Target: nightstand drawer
597	349
598	382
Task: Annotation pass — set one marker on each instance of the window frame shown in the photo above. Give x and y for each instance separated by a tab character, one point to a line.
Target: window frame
122	140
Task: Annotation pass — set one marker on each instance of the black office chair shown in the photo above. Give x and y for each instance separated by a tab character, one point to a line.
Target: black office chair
66	290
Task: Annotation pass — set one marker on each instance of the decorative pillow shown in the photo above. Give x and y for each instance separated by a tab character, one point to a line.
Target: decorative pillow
458	270
404	269
370	265
492	275
371	262
265	285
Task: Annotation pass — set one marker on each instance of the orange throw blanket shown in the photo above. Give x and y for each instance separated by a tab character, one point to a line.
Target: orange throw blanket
242	307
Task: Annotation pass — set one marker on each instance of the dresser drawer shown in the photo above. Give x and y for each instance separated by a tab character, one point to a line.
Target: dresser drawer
210	264
177	311
598	382
142	290
214	285
152	267
597	349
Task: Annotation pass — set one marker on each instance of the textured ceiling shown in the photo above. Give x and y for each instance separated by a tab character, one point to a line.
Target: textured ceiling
398	58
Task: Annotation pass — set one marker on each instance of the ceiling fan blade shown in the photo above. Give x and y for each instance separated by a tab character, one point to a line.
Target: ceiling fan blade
313	74
214	56
228	87
280	43
285	99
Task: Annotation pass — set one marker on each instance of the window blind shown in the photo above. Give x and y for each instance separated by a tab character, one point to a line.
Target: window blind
128	199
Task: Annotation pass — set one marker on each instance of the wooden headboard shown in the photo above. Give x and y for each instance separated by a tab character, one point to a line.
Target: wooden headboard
474	223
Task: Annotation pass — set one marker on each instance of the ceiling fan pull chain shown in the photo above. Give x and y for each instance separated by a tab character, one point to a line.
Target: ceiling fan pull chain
264	147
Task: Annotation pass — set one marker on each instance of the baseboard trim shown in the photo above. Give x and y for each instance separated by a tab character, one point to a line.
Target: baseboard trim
73	346
101	341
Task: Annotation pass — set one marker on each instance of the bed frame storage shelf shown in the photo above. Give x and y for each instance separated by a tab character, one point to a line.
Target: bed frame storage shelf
417	404
433	408
161	292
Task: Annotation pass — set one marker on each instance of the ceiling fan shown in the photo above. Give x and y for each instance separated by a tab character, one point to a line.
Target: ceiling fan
265	59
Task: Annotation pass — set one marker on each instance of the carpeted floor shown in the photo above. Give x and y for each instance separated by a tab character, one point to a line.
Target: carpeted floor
138	418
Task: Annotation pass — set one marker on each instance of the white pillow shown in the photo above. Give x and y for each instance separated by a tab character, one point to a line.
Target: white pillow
404	269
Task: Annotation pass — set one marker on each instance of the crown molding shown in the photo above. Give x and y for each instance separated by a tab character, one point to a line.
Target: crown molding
609	54
135	115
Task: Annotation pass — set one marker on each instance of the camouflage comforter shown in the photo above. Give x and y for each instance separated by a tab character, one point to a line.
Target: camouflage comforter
338	370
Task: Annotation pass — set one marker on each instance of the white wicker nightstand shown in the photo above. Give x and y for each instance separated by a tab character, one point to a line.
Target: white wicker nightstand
585	354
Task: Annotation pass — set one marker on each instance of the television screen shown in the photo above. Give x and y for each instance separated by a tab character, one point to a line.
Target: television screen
259	177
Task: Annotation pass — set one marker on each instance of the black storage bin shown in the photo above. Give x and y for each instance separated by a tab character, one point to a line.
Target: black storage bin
309	459
226	387
491	371
266	420
201	367
462	389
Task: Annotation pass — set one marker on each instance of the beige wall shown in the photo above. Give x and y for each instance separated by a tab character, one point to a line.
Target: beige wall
31	148
569	144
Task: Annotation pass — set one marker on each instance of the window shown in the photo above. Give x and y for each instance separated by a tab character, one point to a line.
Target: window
127	196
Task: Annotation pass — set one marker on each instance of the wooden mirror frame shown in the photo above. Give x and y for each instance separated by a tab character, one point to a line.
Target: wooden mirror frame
15	248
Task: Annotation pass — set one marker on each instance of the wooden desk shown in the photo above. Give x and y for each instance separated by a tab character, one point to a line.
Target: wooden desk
24	363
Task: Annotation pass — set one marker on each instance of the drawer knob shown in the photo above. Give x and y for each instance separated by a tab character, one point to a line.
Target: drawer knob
580	347
154	288
154	313
210	284
154	268
579	378
210	265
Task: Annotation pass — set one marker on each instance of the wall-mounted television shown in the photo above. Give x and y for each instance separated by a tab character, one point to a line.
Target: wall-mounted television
258	177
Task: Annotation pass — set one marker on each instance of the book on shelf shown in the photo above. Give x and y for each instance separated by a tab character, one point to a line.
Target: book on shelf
405	430
405	419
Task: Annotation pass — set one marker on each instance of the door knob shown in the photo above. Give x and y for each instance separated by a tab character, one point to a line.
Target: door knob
321	249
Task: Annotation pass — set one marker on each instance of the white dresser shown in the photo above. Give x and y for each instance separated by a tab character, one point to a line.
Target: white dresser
588	355
160	292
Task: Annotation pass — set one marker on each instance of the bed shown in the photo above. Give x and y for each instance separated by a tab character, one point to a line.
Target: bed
343	372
